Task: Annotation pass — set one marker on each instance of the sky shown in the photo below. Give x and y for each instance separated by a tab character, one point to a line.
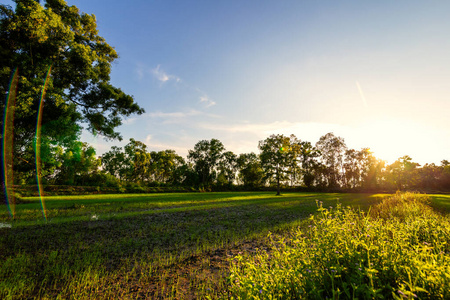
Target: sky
376	73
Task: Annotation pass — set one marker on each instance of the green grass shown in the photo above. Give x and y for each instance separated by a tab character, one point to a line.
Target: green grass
149	246
140	241
440	202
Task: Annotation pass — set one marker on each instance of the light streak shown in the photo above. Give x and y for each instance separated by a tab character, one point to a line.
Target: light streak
362	94
8	140
38	144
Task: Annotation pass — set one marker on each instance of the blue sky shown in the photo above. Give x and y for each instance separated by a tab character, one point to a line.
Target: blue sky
376	73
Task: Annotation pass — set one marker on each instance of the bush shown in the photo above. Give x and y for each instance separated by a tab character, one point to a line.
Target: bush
98	179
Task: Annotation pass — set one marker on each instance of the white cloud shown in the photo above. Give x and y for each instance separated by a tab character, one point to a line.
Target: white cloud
188	117
139	72
208	102
128	121
256	128
148	139
163	76
174	115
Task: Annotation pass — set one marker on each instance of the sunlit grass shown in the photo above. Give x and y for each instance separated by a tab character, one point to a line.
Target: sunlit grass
149	246
440	202
400	250
100	245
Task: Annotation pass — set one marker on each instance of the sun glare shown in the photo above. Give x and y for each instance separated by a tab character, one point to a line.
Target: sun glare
390	139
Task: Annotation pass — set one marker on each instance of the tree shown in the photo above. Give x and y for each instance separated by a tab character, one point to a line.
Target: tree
137	161
309	163
228	167
113	162
429	175
371	168
205	158
76	163
402	174
58	40
165	166
250	170
332	150
444	182
294	156
275	154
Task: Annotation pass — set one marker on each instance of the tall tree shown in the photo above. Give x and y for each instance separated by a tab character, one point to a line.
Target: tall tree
138	161
332	149
59	40
251	173
294	158
309	163
113	162
371	169
76	163
275	158
205	158
402	174
228	167
165	166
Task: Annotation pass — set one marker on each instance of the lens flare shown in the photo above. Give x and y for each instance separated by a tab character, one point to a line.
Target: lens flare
7	147
38	145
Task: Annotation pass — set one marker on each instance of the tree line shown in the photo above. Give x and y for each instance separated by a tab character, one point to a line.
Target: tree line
282	162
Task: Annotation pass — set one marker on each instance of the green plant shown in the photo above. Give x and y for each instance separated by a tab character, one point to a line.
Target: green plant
349	254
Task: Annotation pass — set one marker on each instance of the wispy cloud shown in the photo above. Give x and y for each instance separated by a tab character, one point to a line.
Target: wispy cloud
162	76
206	101
128	121
189	117
140	71
178	114
259	128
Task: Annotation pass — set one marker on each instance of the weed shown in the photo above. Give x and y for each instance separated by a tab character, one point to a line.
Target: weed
400	249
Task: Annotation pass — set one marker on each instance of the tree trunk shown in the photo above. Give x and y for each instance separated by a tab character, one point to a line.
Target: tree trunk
278	182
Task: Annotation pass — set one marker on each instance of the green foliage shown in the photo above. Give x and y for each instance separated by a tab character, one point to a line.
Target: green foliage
137	161
251	173
332	149
275	154
57	38
206	158
35	37
227	169
402	174
113	162
76	163
136	164
345	253
166	167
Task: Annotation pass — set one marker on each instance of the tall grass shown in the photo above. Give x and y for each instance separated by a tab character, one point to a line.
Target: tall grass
401	249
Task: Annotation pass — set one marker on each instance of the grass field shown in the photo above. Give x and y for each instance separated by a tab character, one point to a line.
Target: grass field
147	246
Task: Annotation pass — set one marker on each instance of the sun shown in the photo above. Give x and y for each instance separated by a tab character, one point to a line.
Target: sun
390	139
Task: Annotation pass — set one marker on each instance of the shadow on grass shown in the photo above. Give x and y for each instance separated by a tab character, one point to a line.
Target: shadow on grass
53	253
